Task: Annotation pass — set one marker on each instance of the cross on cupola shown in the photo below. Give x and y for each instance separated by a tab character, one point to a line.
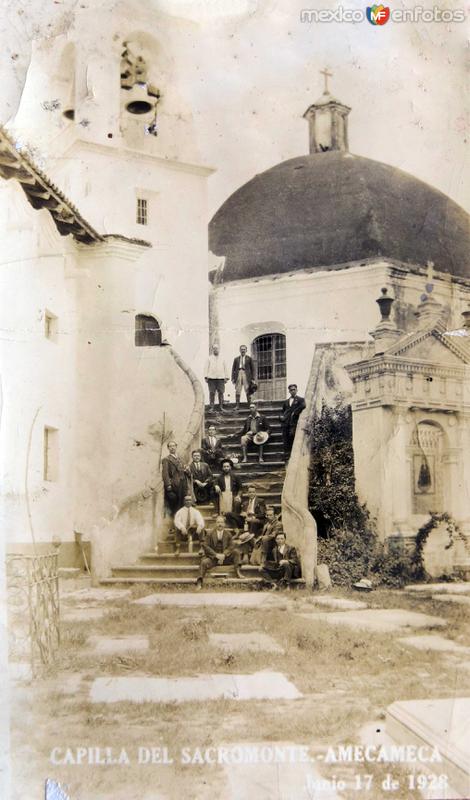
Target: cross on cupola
326	74
327	120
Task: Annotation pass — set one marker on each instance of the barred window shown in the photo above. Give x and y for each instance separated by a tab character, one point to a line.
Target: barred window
142	211
50	454
147	331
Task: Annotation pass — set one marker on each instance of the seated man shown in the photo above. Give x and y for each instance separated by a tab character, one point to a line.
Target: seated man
227	489
264	542
202	478
254	423
189	523
211	448
254	511
283	564
219	549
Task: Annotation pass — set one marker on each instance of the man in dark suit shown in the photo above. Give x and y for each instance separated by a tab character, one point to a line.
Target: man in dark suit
283	565
201	477
265	541
254	423
243	374
254	511
211	448
219	549
291	411
175	479
227	488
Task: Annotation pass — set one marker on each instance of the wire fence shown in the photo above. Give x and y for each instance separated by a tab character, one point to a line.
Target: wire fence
33	610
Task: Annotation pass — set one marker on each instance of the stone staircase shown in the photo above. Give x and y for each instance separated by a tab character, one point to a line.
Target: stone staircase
162	567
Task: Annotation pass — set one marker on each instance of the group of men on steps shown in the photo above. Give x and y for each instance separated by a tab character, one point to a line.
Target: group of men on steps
245	532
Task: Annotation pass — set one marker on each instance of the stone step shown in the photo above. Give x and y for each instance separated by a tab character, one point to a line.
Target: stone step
234	430
171	570
185	558
253	465
264	407
175	583
209	583
272	451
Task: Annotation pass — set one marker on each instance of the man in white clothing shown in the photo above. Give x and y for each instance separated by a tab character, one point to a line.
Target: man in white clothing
216	376
189	523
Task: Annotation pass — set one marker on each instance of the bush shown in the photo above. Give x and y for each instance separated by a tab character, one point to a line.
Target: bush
351	556
347	541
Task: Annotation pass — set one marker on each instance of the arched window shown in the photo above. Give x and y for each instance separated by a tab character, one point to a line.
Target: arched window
147	331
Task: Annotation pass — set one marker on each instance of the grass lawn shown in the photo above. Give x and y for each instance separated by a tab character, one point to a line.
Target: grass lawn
347	678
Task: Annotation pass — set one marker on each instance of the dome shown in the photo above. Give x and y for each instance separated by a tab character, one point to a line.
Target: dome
325	209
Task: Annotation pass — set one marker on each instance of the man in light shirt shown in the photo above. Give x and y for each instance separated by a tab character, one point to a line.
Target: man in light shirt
189	523
216	376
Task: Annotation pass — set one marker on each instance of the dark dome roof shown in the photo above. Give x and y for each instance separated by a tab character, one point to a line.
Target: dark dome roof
329	208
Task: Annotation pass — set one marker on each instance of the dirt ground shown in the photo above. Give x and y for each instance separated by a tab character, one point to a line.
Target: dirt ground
347	679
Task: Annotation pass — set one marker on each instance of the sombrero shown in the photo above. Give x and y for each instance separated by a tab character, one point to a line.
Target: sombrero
246	537
261	437
364	585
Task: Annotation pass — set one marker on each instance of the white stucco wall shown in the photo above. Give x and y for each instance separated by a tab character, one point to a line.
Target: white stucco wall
38	374
171	280
317	307
111	402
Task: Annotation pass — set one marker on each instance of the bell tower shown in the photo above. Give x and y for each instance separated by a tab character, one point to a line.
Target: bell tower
139	97
327	121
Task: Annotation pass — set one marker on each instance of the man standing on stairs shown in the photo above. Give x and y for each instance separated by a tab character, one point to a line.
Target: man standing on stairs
243	374
216	376
219	549
291	411
175	478
227	488
254	423
189	523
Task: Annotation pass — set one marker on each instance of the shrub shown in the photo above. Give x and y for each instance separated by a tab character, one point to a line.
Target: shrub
347	541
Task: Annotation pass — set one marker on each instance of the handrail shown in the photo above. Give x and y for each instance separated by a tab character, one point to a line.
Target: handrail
193	429
298	523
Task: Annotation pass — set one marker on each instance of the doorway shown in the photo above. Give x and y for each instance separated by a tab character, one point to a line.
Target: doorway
269	354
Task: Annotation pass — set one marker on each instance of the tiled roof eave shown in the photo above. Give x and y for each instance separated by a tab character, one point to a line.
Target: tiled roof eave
42	193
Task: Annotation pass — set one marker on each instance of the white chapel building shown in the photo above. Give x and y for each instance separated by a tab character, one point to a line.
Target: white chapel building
103	215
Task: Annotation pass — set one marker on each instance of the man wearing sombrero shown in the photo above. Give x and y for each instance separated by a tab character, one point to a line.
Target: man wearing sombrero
255	431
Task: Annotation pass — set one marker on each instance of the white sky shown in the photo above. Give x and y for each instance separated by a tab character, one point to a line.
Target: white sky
251	68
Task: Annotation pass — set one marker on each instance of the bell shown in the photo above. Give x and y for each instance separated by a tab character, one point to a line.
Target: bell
139	101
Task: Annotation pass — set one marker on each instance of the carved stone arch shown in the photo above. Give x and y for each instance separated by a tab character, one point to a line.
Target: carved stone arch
428	445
